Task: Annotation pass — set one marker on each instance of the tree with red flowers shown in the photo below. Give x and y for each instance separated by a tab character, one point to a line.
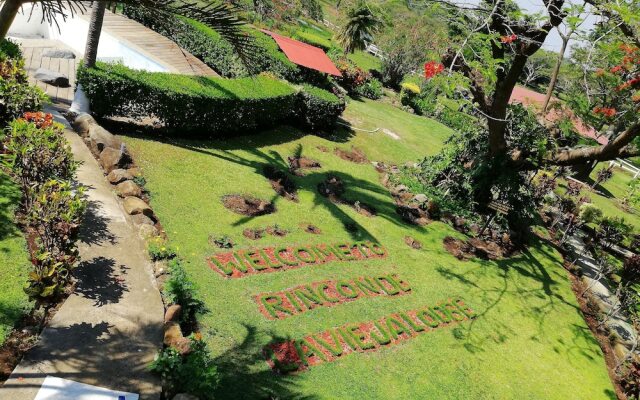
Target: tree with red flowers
492	57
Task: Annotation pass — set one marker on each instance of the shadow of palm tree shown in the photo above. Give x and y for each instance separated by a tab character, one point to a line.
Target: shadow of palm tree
243	376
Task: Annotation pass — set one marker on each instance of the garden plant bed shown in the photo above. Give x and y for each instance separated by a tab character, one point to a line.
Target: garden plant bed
356	155
281	183
526	329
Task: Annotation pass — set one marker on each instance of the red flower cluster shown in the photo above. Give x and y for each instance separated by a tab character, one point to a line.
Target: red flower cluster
605	111
432	68
631	83
617	69
39	118
509	38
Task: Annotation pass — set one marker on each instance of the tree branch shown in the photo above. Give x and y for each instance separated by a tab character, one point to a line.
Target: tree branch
620	147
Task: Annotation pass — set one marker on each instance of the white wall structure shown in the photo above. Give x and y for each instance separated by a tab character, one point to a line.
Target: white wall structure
73	33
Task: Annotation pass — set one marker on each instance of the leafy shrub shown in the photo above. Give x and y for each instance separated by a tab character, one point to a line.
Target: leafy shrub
319	109
193	373
55	213
352	76
312	8
210	105
159	250
372	89
589	213
16	96
36	155
179	290
631	269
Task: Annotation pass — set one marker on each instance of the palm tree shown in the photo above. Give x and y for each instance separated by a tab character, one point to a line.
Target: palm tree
361	24
93	37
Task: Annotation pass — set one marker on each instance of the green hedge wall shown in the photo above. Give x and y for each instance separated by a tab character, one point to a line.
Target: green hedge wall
204	105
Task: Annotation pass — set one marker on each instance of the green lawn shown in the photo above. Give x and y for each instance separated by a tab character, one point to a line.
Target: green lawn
610	194
14	260
365	60
529	340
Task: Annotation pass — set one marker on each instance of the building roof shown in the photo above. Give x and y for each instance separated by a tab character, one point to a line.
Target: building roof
304	54
528	97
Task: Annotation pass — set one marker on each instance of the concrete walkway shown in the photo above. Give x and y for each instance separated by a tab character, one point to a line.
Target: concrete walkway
108	331
602	293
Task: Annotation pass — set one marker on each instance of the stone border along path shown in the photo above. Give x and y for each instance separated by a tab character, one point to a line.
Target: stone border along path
600	293
109	330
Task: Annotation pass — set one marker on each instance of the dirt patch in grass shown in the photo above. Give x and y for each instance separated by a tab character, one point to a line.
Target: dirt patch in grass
247	205
412	242
355	155
323	149
275	230
475	247
296	164
281	183
333	188
309	228
253	234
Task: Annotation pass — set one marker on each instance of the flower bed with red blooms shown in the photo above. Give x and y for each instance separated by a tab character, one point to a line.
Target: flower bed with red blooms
238	264
40	119
605	111
330	345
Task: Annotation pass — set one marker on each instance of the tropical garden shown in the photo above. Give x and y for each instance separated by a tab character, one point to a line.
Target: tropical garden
404	220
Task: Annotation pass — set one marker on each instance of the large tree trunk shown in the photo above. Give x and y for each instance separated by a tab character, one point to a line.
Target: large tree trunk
554	75
8	13
93	37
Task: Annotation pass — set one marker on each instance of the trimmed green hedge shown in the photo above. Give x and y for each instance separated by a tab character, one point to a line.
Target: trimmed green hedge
212	106
319	109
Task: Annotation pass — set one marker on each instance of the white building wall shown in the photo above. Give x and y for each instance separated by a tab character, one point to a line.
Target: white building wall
73	33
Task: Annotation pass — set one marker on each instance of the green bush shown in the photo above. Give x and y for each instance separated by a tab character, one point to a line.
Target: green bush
36	155
371	89
319	109
16	96
54	216
190	103
210	106
193	373
179	290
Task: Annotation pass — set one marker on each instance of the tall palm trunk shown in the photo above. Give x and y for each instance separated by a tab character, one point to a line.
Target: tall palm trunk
7	15
93	37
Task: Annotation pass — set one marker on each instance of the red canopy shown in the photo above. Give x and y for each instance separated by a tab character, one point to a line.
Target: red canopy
304	54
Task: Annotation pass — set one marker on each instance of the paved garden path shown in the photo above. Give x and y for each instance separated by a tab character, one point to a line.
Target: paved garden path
107	332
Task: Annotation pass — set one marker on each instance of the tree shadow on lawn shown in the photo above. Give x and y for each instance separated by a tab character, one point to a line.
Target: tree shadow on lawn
356	189
243	374
540	301
233	141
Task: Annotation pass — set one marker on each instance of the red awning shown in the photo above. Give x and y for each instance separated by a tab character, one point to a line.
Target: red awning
304	54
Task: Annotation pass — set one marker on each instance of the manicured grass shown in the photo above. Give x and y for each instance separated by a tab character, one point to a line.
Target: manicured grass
611	193
14	260
419	136
365	60
529	340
